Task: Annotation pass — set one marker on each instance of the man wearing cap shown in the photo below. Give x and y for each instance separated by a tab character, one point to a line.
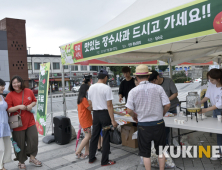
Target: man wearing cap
171	91
150	103
100	98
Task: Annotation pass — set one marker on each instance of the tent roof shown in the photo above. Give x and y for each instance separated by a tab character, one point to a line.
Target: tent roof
139	10
95	62
196	42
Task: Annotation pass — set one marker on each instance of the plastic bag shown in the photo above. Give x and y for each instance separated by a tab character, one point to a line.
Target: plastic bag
115	137
154	159
134	136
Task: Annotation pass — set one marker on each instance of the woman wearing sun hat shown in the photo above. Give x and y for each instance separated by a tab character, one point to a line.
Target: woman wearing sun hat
150	103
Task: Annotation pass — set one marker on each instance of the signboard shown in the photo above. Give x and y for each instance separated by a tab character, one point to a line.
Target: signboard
186	73
195	19
42	98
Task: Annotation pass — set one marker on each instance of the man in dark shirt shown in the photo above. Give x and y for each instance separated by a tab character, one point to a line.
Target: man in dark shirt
171	91
126	85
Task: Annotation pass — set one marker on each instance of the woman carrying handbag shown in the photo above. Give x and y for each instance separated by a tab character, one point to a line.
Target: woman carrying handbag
20	101
5	133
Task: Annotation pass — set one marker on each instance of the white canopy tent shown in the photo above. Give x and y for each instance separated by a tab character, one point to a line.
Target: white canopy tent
169	17
174	31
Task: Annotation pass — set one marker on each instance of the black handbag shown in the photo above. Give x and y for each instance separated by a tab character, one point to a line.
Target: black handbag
115	137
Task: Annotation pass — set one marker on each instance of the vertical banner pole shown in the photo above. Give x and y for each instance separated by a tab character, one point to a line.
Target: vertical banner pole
42	98
170	68
51	104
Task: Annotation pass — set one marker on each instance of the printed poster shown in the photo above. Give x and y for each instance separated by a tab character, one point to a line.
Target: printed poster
42	98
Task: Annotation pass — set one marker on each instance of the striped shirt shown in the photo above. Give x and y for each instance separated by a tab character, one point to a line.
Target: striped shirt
147	101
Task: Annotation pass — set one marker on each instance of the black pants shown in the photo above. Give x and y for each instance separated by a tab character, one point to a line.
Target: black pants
100	119
148	133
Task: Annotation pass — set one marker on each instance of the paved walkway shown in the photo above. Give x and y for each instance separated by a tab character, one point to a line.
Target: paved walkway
62	157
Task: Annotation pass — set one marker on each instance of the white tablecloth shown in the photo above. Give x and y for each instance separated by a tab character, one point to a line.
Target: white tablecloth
211	125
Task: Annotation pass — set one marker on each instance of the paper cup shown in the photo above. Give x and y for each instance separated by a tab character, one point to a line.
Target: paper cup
181	114
219	118
175	120
179	122
183	121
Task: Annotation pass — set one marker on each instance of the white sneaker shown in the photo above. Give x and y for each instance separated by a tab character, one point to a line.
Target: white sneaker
216	157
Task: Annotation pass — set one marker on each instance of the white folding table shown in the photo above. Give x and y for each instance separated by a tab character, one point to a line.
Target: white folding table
209	124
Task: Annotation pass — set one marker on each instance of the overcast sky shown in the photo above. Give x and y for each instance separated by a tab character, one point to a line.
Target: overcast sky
51	23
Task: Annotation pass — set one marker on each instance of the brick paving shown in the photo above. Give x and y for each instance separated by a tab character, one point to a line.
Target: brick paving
62	157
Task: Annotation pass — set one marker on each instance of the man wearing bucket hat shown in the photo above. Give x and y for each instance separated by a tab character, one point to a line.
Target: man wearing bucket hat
150	103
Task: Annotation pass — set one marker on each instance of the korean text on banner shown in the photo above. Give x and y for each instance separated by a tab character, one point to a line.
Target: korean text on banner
42	98
201	18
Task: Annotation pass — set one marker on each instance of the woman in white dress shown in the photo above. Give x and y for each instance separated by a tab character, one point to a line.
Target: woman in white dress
5	133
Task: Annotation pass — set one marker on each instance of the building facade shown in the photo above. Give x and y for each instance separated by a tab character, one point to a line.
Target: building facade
73	74
13	50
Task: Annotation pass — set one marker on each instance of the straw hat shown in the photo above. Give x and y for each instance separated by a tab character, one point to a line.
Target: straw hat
142	70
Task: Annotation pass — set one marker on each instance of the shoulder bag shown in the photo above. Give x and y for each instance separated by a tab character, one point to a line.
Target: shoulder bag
15	121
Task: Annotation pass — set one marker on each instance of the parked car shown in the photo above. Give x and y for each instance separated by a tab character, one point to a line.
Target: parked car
35	90
75	89
66	88
199	80
5	92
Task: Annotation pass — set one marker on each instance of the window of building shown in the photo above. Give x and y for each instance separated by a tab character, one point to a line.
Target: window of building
66	67
37	66
94	68
29	66
83	68
74	68
56	66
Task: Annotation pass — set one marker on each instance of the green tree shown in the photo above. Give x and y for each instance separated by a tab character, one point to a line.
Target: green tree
180	77
153	67
133	69
162	68
117	70
173	68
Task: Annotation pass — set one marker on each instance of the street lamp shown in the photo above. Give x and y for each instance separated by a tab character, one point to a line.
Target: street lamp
29	49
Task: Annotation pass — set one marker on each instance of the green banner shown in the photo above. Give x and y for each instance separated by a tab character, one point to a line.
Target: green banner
195	19
42	98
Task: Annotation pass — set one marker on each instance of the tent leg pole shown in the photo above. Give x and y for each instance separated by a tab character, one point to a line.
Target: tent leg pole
219	62
63	91
170	68
51	105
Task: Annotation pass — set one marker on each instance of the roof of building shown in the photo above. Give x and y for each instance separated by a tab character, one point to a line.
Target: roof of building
43	55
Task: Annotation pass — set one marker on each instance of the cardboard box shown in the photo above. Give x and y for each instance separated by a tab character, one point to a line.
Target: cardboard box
126	135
